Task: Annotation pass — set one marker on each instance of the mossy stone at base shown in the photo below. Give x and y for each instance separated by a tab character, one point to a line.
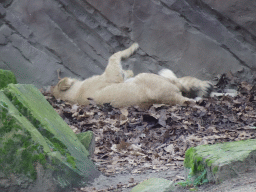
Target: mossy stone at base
39	125
154	185
18	149
25	155
221	161
88	140
6	77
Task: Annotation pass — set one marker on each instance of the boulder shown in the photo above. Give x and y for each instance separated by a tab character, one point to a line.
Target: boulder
6	77
218	162
37	146
153	185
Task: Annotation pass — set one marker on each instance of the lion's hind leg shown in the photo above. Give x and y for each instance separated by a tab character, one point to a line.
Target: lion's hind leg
196	87
159	90
167	73
114	72
190	87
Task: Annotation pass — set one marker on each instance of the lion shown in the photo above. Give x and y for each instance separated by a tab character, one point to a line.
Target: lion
120	89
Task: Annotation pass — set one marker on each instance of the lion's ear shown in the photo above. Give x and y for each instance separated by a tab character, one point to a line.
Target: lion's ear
64	84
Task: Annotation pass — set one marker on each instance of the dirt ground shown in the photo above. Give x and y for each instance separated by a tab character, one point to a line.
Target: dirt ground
133	144
245	182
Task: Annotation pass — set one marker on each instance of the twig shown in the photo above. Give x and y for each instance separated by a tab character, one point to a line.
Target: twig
58	73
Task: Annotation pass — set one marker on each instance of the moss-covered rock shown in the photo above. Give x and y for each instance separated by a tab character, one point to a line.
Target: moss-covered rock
6	77
221	161
34	140
154	185
88	140
18	149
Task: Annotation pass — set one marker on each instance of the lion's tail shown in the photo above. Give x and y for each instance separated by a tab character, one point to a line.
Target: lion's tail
127	52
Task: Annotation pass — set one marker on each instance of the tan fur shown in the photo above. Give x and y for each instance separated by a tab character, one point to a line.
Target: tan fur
128	74
190	86
144	89
196	87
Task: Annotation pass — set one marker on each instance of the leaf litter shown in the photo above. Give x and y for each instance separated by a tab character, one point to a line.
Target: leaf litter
134	140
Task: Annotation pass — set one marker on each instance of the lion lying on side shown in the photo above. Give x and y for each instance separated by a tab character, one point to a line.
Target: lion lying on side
144	89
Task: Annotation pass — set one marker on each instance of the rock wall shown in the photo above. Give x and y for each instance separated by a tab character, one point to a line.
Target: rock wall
202	38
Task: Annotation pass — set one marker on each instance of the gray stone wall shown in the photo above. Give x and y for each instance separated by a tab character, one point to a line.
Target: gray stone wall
202	38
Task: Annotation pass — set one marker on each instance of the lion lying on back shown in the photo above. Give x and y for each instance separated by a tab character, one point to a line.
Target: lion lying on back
144	89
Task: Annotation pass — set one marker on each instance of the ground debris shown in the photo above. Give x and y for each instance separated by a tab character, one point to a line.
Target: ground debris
133	140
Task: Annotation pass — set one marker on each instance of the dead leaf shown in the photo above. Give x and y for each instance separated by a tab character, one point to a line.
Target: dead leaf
169	149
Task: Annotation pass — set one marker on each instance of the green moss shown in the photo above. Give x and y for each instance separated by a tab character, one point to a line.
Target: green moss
71	160
201	179
6	77
197	172
215	170
86	138
54	143
200	167
193	162
208	162
18	152
74	165
7	123
189	160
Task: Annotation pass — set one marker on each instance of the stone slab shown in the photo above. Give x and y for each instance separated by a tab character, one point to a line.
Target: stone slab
221	161
33	113
153	185
23	152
